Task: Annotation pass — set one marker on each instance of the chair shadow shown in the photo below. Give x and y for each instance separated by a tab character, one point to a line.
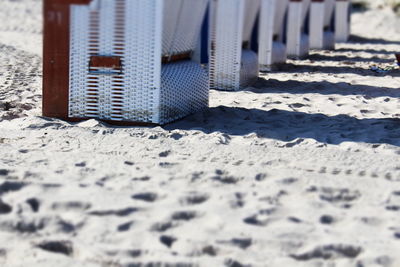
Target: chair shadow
301	68
370	51
288	126
273	86
347	60
365	40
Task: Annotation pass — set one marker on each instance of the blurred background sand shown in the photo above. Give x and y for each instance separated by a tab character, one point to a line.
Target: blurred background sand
302	169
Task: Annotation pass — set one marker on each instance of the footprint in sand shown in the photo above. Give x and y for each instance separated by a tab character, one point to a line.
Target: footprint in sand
326	219
242	243
5	208
329	252
168	240
76	206
9	186
124	227
34	203
184	215
194	198
146	197
61	247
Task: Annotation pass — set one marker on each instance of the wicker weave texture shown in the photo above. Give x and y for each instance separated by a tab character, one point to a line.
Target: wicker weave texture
249	70
232	24
135	32
182	25
184	90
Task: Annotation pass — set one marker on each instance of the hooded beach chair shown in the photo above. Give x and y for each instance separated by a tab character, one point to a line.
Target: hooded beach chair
272	33
322	35
342	20
123	61
297	40
233	61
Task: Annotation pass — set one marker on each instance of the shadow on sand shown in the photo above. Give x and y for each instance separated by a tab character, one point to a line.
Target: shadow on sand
289	125
273	86
350	60
365	40
370	51
301	68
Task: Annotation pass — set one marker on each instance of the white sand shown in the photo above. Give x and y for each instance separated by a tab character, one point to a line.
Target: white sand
301	170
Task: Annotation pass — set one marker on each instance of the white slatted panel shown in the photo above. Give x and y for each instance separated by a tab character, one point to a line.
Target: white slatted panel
131	30
249	69
329	8
226	42
143	60
252	8
342	21
143	91
170	23
79	58
305	9
182	20
280	12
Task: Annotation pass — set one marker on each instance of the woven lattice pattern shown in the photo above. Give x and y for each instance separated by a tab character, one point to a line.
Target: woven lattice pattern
134	33
184	90
78	64
232	23
124	29
226	39
182	22
249	69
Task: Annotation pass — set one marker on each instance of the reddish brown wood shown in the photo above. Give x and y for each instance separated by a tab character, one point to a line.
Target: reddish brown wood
174	58
56	56
111	62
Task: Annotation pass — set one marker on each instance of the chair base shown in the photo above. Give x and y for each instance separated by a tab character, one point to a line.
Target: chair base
303	48
249	69
277	57
327	42
184	90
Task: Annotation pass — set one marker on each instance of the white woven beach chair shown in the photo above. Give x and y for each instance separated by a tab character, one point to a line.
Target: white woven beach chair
342	20
233	64
128	60
272	34
298	43
322	26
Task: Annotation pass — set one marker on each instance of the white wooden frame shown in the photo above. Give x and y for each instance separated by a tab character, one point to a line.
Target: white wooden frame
342	20
232	66
298	43
272	45
322	34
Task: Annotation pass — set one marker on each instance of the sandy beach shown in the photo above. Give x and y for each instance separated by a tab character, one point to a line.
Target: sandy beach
303	169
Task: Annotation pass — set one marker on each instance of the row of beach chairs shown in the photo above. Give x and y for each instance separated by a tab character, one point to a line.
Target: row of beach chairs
153	62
